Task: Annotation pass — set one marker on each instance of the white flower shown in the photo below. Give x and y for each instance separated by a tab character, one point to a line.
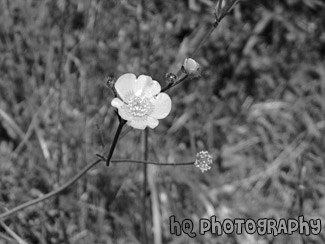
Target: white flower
141	102
203	161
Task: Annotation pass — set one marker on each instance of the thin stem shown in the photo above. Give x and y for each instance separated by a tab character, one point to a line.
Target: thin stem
150	162
144	185
50	194
214	25
219	16
117	134
171	85
77	177
221	13
205	38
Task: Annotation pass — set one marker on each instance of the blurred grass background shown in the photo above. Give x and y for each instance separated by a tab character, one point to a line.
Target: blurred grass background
258	108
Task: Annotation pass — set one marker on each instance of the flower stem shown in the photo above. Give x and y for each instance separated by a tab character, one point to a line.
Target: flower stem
117	135
171	85
77	177
50	194
144	185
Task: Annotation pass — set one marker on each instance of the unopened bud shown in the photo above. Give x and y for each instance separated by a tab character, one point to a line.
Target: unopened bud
171	78
110	83
191	67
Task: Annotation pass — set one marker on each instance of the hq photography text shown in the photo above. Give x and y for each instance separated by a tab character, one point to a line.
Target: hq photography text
263	226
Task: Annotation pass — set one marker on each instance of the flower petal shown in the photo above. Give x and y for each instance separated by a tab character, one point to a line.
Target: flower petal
138	124
152	122
124	113
125	85
141	83
117	103
146	86
162	106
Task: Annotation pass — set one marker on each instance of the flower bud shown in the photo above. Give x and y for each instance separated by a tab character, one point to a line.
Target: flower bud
110	82
171	78
191	67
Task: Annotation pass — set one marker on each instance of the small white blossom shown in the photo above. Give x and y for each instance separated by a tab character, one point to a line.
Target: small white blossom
141	103
203	161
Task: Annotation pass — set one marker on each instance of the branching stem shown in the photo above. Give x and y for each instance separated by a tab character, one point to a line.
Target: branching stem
77	177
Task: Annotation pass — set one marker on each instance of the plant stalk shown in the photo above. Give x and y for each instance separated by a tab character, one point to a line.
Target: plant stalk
115	140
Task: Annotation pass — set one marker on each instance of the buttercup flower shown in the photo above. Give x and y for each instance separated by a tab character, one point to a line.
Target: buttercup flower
141	102
203	161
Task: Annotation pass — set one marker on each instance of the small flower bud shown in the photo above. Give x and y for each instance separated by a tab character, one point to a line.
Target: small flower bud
191	67
171	78
203	161
110	82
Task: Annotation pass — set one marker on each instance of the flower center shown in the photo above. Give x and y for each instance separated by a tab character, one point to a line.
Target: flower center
139	106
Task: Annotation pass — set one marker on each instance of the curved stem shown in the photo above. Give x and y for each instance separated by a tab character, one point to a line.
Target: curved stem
117	134
74	179
50	194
